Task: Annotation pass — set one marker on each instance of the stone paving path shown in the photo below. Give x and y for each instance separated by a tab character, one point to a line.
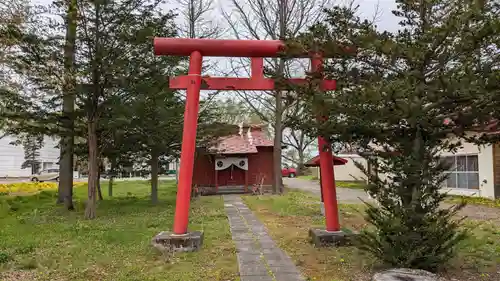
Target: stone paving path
259	258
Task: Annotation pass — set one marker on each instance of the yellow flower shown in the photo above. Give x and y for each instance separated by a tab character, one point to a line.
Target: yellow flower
31	187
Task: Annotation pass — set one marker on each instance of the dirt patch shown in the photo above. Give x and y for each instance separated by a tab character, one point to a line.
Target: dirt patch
483	213
288	220
291	234
25	275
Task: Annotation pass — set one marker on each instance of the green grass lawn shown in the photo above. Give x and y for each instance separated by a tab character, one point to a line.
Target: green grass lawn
341	184
39	241
307	177
289	217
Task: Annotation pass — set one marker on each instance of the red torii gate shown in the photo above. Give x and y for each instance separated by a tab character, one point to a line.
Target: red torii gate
194	82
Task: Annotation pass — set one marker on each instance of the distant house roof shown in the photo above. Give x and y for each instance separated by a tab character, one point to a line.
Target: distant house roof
315	161
247	142
493	128
490	128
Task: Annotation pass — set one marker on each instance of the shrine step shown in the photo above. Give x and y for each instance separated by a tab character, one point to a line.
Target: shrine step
232	190
224	190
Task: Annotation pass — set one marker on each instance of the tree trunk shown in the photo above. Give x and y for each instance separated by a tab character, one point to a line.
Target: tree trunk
99	191
278	133
154	176
90	210
278	126
277	144
111	177
177	171
300	166
110	185
65	188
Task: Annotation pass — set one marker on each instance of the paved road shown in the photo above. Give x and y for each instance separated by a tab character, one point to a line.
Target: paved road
346	195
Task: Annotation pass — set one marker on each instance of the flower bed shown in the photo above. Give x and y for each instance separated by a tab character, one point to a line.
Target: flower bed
30	187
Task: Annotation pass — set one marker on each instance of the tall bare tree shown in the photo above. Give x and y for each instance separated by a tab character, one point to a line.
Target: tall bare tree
198	20
299	147
259	19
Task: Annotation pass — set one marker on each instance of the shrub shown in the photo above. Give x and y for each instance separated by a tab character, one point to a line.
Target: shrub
4	257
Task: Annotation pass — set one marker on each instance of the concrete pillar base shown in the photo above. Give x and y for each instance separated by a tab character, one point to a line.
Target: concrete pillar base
168	242
323	238
322	205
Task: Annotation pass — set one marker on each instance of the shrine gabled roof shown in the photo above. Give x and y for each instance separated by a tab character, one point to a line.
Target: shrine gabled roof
241	144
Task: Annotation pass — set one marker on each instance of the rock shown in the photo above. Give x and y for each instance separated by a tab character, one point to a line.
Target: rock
404	274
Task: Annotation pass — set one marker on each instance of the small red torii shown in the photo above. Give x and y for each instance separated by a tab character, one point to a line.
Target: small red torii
193	82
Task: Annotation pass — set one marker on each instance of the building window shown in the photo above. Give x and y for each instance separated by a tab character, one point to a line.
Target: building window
464	172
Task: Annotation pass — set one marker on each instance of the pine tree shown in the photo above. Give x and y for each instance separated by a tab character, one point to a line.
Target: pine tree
31	145
111	42
155	128
484	59
394	93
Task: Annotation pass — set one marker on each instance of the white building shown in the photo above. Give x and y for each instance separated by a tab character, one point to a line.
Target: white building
12	157
476	170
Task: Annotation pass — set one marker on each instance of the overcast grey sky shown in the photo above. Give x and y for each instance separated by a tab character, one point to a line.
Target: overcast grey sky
385	20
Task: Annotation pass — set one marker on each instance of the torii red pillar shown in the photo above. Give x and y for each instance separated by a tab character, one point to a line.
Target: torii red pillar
327	179
194	82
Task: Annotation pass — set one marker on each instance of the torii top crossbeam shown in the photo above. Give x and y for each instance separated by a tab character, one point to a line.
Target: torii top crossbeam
219	47
254	49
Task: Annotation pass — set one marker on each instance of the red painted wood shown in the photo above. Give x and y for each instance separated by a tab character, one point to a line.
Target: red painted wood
223	47
204	172
257	67
218	47
216	181
327	173
188	145
238	176
248	84
246	180
315	161
261	163
258	164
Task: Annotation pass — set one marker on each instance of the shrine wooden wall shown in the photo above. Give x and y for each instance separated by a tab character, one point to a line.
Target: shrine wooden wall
259	164
204	170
